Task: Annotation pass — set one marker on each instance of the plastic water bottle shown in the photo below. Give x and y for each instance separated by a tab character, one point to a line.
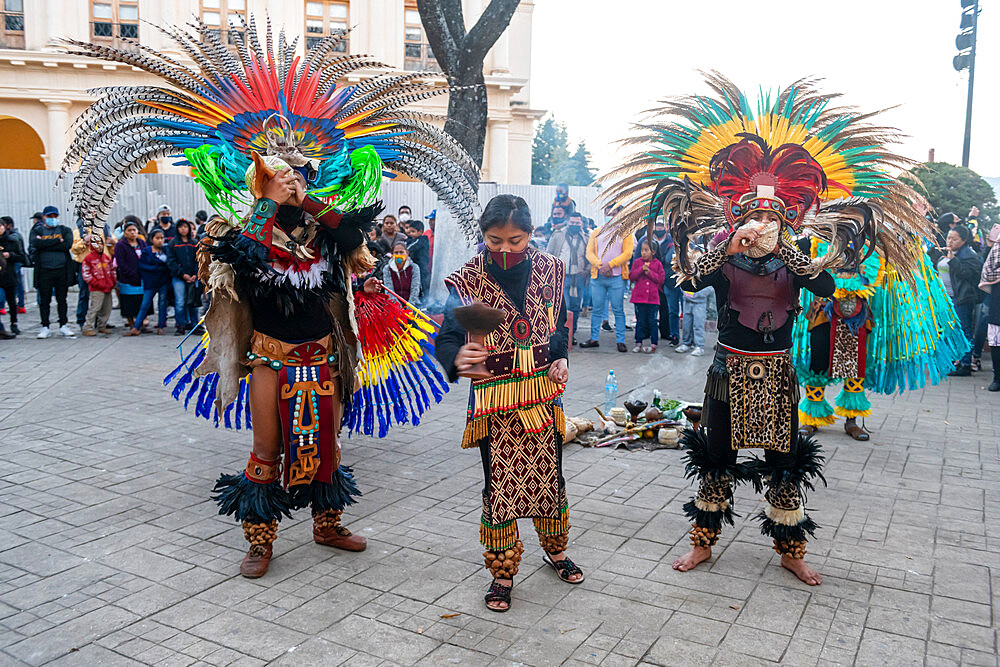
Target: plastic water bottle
610	393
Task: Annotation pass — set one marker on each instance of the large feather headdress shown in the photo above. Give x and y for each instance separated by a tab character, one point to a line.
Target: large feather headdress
270	101
707	162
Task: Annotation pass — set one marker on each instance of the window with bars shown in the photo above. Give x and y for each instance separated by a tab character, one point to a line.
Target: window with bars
12	26
114	20
417	54
324	18
223	18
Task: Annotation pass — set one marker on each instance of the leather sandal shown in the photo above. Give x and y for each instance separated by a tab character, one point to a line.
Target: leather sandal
808	429
857	432
565	568
498	593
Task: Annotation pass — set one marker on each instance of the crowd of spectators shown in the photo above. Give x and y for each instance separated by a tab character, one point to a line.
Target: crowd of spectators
131	264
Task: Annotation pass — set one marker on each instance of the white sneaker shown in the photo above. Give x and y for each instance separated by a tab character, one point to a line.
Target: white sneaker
43	333
681	349
698	352
66	332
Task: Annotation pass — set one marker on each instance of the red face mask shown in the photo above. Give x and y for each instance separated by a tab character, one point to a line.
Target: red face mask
507	260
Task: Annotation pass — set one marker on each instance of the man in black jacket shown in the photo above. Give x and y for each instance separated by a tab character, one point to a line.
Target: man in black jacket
13	254
49	244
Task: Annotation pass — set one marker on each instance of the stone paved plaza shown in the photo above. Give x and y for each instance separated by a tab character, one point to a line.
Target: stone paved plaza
111	552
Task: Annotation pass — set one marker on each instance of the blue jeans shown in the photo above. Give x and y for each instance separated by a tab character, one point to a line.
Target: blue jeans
670	310
83	301
161	306
603	289
646	316
14	298
185	312
575	283
967	317
695	310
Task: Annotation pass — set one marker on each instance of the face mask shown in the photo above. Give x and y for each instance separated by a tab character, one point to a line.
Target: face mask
400	259
659	233
52	222
574	229
507	260
166	220
403	217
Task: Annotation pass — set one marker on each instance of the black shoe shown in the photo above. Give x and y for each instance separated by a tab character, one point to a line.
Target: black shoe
15	330
589	343
628	327
977	364
994	387
605	325
622	347
179	331
961	372
6	335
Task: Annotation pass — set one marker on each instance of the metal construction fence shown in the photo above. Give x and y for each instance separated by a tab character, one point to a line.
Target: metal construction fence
23	192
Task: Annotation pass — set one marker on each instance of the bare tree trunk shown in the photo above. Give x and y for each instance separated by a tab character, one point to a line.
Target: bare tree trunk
461	56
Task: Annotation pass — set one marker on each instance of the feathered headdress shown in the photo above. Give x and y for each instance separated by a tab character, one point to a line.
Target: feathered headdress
271	102
708	162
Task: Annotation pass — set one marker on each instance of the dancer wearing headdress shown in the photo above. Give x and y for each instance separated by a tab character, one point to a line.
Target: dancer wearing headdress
293	161
877	333
750	180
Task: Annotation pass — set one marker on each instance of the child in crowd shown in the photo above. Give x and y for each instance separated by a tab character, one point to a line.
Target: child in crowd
419	249
98	270
155	282
402	275
694	310
647	275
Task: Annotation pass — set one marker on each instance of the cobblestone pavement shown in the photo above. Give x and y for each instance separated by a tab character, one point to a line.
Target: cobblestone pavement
111	553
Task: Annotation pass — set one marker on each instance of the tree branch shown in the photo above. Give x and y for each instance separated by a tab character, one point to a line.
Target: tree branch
434	14
487	30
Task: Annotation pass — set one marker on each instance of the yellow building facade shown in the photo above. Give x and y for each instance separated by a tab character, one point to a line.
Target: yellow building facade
43	88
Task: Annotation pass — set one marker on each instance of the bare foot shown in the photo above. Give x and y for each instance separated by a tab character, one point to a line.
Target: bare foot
561	556
691	559
798	567
498	604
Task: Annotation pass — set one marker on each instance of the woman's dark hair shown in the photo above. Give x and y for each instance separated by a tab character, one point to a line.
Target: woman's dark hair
130	223
400	244
131	220
155	232
185	221
653	245
503	209
963	232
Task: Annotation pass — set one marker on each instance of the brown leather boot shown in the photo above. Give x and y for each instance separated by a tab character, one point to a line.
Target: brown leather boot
328	532
258	558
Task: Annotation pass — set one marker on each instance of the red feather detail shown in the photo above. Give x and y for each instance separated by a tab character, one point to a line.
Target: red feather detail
799	178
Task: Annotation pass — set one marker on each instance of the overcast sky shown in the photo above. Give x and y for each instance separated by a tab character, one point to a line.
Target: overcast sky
596	64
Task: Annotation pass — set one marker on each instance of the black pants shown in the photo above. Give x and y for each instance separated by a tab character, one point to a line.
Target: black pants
51	281
718	421
9	288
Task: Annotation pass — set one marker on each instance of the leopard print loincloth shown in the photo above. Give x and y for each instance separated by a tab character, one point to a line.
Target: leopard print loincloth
761	399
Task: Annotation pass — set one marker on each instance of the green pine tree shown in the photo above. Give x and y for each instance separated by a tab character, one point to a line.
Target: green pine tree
953	189
579	161
549	152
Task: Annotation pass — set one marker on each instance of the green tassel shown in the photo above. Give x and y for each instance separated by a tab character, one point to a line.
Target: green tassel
219	188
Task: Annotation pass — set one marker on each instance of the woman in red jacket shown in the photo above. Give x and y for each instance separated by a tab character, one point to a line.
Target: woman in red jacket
648	275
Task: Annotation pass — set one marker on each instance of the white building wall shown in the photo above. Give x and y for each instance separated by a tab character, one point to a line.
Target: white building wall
46	87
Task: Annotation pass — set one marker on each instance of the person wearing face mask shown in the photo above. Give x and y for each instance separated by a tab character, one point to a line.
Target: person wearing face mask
403	275
49	243
569	244
404	214
515	417
164	221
